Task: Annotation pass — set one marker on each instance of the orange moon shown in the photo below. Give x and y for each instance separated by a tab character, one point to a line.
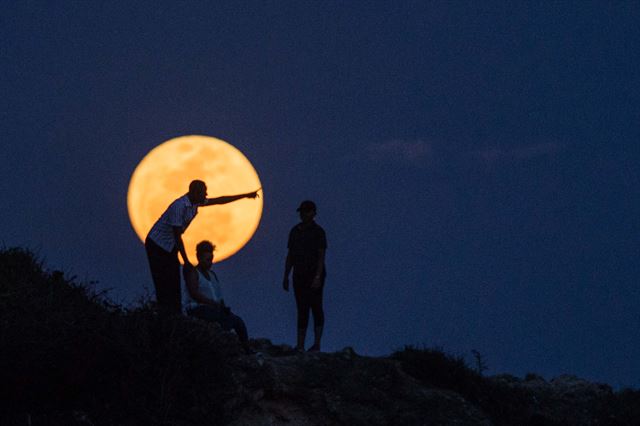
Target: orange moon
164	174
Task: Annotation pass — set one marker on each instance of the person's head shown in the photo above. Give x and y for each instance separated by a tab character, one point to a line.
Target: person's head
204	253
197	191
307	211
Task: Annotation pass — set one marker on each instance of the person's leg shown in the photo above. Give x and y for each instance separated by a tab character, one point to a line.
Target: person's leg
205	313
234	322
174	295
228	322
160	263
302	305
241	330
318	316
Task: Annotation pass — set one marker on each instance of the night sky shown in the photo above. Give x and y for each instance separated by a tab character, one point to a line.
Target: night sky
475	164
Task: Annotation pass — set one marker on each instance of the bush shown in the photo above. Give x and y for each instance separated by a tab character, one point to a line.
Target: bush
436	368
503	404
67	350
620	408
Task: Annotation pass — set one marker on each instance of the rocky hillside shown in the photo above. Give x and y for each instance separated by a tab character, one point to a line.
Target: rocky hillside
68	356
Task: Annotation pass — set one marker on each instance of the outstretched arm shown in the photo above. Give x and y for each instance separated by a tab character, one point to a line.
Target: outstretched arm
230	198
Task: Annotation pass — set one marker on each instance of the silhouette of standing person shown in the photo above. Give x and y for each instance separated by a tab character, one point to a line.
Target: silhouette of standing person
307	246
164	242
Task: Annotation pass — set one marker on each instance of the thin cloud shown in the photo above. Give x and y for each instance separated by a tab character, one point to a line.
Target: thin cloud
400	151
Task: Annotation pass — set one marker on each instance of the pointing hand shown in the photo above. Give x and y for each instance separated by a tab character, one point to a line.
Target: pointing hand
254	194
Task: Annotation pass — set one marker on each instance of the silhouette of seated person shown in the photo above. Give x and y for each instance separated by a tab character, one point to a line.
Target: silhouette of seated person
203	295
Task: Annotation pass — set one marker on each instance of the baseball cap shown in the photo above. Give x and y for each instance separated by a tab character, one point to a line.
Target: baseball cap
307	205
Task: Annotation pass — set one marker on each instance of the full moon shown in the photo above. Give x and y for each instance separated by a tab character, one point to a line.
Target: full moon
164	174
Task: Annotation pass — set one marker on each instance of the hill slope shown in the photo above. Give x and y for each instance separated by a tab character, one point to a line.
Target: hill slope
69	356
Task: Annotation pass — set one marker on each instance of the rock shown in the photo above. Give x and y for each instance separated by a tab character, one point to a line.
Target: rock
348	352
568	386
566	399
341	388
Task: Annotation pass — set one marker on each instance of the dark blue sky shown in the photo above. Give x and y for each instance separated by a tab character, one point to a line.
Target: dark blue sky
475	164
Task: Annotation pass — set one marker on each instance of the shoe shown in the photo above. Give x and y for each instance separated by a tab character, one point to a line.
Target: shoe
314	348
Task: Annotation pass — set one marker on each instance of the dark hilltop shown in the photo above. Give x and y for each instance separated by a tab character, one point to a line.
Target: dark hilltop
69	356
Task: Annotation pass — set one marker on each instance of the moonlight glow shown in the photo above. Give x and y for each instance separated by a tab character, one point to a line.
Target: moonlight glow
164	174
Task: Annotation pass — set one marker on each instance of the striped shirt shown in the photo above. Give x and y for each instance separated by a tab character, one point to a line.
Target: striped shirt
180	213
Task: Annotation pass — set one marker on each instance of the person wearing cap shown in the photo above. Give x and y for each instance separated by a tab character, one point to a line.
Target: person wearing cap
164	242
307	246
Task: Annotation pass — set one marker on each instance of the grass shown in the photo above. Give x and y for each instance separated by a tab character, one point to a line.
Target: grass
68	352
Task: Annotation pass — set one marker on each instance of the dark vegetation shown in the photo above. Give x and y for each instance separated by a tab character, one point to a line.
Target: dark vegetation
433	367
507	404
68	354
